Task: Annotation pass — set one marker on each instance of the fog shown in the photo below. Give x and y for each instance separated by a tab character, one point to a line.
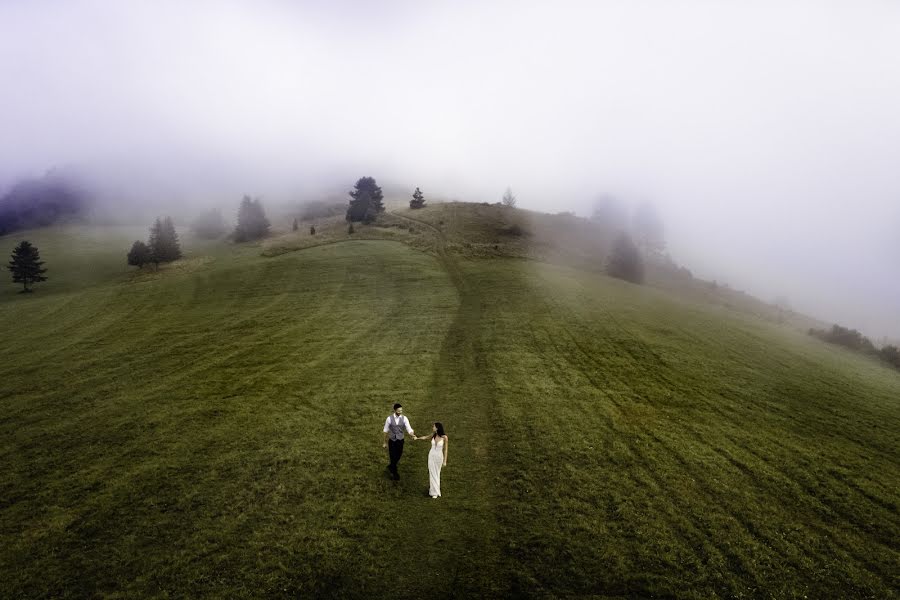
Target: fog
767	134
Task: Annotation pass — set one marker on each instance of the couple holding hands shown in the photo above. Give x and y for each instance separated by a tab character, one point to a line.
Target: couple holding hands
394	428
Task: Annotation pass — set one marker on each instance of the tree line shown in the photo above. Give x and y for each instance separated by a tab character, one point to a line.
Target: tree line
854	340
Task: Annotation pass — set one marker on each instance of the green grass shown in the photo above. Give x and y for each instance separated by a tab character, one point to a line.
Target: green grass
213	430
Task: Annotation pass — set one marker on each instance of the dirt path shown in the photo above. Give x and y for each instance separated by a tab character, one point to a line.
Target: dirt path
464	519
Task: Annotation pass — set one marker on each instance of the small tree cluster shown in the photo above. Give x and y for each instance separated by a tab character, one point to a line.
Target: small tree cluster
854	340
252	223
418	200
625	261
26	265
645	225
209	225
849	338
366	201
163	245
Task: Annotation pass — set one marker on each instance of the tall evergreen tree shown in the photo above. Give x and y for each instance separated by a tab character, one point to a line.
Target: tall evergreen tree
252	223
418	200
139	255
295	226
625	260
163	243
366	201
26	265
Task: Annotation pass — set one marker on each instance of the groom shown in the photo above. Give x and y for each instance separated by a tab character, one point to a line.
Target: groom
393	437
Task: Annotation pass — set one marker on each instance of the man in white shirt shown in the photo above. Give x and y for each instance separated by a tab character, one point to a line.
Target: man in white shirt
393	437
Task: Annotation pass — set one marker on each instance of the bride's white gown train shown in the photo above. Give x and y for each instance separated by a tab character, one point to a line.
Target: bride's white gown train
435	461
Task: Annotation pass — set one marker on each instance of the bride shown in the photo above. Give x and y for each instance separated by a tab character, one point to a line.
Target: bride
437	458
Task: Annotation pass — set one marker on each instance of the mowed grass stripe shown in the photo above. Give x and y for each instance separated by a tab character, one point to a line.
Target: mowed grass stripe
307	437
714	465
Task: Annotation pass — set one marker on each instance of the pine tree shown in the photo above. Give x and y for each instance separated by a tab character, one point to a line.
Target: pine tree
25	264
366	201
418	200
139	255
153	241
252	222
508	198
163	243
625	260
294	227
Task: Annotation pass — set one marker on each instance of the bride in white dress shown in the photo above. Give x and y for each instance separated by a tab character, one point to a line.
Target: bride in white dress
437	458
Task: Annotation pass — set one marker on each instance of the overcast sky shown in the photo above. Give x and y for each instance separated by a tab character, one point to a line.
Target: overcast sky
766	133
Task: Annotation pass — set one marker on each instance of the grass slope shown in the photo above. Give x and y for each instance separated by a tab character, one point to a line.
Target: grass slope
213	429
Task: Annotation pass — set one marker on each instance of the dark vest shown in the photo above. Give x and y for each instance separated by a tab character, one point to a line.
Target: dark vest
395	428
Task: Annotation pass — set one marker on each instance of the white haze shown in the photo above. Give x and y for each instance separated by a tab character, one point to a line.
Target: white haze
766	133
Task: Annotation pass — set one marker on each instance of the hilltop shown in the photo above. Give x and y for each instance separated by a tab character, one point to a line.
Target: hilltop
481	230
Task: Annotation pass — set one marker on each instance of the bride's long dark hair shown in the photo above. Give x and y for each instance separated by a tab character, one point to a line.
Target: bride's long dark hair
440	430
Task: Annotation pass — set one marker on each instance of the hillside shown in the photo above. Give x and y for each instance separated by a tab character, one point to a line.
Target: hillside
213	429
474	231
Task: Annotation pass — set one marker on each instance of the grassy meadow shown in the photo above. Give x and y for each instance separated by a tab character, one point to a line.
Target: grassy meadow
213	429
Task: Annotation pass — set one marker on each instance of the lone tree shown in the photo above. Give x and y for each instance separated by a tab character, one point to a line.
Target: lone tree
509	199
366	201
25	265
139	255
295	227
252	223
163	243
418	200
625	260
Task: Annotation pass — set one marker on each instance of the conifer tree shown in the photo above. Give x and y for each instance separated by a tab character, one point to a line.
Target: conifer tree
26	265
295	227
163	243
139	255
252	222
366	201
418	200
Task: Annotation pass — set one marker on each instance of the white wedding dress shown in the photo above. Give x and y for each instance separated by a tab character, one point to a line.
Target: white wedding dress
435	461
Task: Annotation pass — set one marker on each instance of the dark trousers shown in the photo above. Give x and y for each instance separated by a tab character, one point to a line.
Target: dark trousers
395	451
